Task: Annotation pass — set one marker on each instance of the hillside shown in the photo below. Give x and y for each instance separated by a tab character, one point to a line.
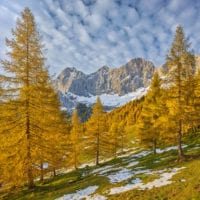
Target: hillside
127	177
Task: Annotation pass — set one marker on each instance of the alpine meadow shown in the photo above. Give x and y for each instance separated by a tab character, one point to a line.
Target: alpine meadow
111	133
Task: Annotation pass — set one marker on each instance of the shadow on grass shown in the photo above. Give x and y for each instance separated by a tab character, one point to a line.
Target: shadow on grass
73	181
58	186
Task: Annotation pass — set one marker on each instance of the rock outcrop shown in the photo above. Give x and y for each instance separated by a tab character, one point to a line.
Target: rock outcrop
137	73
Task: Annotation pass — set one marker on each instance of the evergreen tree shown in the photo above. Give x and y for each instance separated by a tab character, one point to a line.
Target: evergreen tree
180	72
95	129
114	132
52	132
84	111
30	108
76	137
117	135
151	118
196	108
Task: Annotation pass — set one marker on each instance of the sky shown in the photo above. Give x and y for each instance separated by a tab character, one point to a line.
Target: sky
88	34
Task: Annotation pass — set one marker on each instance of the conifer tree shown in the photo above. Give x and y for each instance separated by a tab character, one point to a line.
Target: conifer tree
118	135
76	137
30	108
151	118
180	70
122	135
52	132
114	132
95	130
196	103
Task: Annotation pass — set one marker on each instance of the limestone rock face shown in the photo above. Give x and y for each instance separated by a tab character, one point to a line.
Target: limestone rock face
137	73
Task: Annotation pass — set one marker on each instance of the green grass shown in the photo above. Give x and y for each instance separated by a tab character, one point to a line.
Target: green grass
83	178
178	190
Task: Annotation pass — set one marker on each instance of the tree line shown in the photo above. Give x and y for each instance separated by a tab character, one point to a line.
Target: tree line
36	136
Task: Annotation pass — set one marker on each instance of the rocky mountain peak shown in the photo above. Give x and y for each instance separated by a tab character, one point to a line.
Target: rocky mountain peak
104	68
125	79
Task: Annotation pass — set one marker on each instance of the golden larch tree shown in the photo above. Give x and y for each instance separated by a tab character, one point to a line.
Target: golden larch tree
151	118
96	126
180	69
28	116
76	135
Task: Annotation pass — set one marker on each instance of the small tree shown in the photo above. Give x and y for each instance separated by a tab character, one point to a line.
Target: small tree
152	115
95	128
180	72
76	136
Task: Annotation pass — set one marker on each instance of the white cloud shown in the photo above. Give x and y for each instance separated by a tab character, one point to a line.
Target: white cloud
90	33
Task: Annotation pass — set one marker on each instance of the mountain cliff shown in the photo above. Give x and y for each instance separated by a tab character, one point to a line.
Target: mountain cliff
124	83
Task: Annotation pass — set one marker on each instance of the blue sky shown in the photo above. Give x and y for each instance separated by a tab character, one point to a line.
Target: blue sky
88	34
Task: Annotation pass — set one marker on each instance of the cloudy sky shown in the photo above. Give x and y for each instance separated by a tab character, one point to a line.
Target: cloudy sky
88	34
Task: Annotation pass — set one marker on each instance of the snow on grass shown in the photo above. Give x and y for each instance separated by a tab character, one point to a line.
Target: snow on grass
163	180
96	197
135	181
141	154
120	176
164	158
128	153
125	174
143	171
159	151
106	169
102	169
80	194
117	190
110	170
131	164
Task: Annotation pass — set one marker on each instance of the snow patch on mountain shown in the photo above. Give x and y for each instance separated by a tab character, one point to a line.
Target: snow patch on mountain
109	100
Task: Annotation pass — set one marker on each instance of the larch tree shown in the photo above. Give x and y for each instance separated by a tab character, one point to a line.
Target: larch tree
152	115
122	134
117	137
196	103
49	140
180	69
76	134
95	130
113	137
27	125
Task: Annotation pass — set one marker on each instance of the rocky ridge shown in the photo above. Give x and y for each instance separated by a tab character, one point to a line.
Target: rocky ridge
128	78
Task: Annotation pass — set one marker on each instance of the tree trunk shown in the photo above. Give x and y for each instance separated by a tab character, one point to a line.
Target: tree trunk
179	138
122	147
54	172
115	148
29	159
41	172
29	172
98	146
75	159
154	146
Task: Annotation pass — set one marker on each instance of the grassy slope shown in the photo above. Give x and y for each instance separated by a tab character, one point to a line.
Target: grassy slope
70	182
190	189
